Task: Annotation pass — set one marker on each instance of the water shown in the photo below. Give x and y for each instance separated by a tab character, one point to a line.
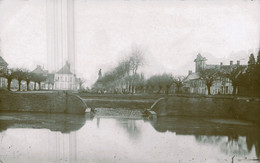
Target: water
27	137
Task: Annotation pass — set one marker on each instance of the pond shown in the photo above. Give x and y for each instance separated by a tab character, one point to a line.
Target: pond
39	137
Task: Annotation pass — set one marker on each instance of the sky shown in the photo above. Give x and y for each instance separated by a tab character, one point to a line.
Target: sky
169	32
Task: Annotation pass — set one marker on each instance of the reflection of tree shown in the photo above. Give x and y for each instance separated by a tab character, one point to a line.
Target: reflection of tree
232	144
234	139
131	128
253	139
235	146
208	139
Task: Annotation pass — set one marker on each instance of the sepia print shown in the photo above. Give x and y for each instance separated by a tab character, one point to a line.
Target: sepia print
130	81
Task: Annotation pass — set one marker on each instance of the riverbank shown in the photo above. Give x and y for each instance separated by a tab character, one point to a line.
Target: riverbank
49	102
226	107
176	105
182	105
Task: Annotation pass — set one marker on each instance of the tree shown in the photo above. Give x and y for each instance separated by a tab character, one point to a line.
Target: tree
81	81
209	76
160	81
257	75
258	58
251	60
151	83
136	60
140	82
251	74
38	78
178	81
27	78
125	73
231	74
167	81
20	75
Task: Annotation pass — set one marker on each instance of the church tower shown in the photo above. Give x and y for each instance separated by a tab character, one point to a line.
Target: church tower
200	63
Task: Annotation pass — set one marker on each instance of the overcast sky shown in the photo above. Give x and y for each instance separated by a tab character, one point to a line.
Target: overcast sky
170	33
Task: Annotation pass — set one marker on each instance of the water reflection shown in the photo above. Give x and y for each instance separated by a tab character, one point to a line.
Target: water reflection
64	123
131	128
232	139
73	138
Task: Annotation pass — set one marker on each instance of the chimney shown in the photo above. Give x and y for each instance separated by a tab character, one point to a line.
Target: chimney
231	63
238	63
190	72
221	63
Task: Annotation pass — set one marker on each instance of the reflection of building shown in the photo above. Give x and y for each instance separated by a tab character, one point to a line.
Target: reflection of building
193	83
3	69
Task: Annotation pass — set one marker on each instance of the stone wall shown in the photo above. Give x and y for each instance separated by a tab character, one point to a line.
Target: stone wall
57	102
225	107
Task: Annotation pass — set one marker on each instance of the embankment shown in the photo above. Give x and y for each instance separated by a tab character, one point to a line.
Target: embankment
52	102
226	107
119	103
136	101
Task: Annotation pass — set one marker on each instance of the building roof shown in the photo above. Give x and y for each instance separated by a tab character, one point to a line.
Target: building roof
39	70
200	58
212	66
65	69
192	76
3	62
223	68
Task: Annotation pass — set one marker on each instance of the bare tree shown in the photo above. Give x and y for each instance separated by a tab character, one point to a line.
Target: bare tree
178	81
209	76
124	74
161	81
27	78
136	60
38	78
19	74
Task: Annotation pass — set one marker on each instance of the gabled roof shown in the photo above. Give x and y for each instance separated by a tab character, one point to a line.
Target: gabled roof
65	69
192	76
200	58
39	70
3	62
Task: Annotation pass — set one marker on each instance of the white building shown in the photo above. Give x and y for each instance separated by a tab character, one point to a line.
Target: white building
194	84
3	69
64	79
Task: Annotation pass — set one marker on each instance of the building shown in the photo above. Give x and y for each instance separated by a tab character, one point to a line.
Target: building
223	85
64	79
3	69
